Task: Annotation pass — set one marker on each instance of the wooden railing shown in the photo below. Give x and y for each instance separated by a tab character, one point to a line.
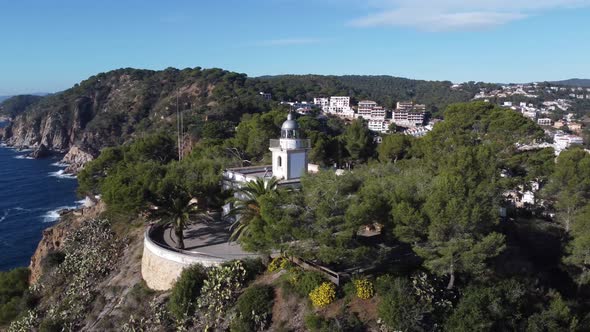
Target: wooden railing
333	276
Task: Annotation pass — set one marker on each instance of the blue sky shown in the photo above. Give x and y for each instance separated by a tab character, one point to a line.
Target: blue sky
48	46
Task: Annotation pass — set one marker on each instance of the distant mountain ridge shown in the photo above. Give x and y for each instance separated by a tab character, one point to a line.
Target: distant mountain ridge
13	106
576	82
111	108
38	94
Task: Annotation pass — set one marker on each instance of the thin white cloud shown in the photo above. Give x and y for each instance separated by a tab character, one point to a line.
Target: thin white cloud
289	41
442	15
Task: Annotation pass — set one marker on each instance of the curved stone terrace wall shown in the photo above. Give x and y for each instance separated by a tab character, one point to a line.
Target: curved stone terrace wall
161	265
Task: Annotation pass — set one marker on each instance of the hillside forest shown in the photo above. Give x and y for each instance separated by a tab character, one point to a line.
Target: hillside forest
453	252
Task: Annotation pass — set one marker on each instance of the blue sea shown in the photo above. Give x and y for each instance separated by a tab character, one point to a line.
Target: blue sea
31	194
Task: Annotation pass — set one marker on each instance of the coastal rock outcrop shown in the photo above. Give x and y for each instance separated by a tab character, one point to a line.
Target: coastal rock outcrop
41	152
3	133
54	236
28	131
107	110
76	158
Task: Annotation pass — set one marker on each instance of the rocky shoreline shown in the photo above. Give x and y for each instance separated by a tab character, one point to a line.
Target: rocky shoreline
73	158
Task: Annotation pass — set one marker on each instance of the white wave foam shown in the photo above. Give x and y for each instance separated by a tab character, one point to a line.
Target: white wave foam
53	215
62	175
86	202
60	164
23	156
4	216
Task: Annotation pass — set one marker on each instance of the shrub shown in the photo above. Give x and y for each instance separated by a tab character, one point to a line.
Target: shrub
384	284
364	289
91	253
314	322
323	295
50	325
253	267
279	263
305	282
399	309
25	323
186	290
53	259
254	308
13	286
349	291
219	292
346	322
350	322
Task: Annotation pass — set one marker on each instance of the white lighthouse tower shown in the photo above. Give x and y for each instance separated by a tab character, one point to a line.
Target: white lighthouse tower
289	153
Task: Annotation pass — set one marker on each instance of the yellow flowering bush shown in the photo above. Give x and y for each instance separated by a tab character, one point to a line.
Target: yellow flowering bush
279	263
323	295
364	289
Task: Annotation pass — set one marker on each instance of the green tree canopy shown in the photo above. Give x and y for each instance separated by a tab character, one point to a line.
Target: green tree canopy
569	185
394	147
358	140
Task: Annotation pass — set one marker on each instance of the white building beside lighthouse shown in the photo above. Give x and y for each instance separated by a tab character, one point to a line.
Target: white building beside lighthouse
289	160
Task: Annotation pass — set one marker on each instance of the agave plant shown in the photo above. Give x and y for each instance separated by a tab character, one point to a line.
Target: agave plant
246	205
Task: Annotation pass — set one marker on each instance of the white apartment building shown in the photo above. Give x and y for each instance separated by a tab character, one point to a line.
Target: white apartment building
365	107
408	118
544	122
529	113
404	105
378	113
420	108
337	105
265	95
381	126
368	109
563	141
340	105
323	103
408	114
416	118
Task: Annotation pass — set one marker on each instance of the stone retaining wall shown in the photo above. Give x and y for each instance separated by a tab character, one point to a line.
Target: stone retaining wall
160	267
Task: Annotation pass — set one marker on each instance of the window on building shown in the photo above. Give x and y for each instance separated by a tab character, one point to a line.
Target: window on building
279	161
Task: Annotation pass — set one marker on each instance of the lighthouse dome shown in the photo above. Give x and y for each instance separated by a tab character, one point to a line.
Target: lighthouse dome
290	124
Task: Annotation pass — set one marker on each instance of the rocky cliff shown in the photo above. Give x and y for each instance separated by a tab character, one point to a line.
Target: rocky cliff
53	237
110	108
76	158
87	277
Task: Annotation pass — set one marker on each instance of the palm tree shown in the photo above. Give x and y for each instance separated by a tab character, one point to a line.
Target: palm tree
178	210
246	204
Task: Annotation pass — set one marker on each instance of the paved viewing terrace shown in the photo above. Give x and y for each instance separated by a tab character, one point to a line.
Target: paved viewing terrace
205	239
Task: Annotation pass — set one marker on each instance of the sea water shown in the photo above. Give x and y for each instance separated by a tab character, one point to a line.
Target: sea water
31	194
